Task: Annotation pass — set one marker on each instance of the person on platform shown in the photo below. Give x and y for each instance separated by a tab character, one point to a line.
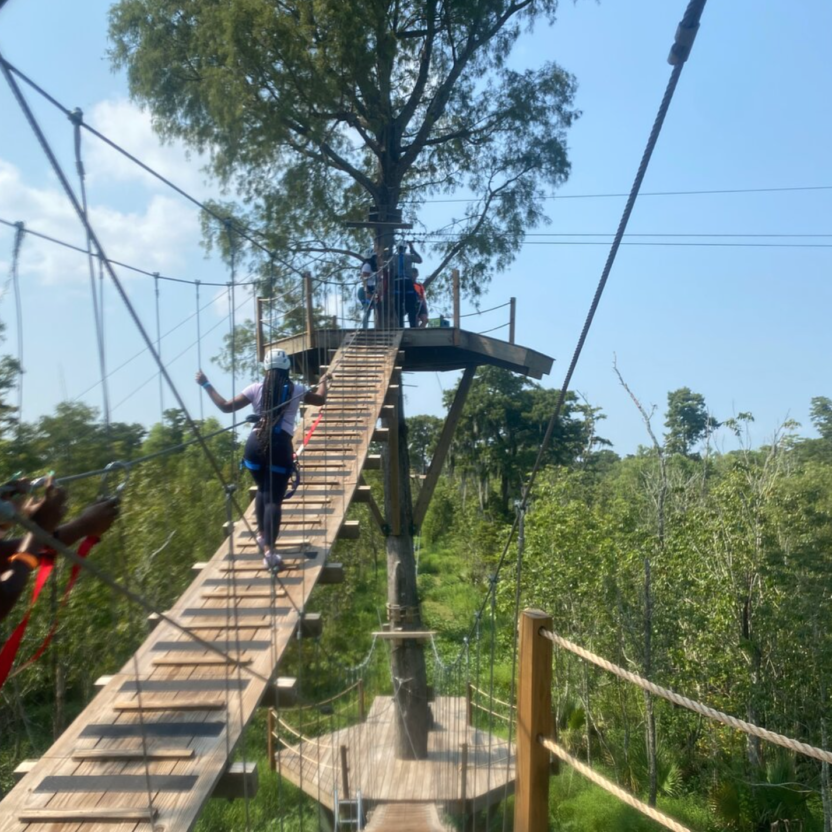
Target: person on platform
269	454
404	294
421	311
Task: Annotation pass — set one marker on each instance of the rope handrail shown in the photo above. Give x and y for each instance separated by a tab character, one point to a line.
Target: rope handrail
494	328
302	737
492	698
484	311
323	702
609	786
488	711
690	704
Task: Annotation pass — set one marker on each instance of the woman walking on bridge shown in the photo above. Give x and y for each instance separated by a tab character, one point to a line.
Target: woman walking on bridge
269	454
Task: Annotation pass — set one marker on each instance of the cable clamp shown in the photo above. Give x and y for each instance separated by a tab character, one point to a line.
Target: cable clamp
680	51
76	116
230	488
109	470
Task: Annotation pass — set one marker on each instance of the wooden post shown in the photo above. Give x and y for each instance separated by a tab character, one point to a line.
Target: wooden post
463	784
512	317
442	447
455	280
469	704
361	712
310	318
534	719
270	740
345	777
258	329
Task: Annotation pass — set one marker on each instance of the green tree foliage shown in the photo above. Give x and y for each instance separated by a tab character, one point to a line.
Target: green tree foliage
315	109
502	428
422	438
821	416
687	421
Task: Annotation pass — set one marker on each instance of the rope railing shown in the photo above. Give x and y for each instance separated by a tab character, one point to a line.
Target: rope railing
478	312
608	786
312	705
690	704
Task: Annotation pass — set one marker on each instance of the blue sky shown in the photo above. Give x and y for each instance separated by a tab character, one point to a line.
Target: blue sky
746	326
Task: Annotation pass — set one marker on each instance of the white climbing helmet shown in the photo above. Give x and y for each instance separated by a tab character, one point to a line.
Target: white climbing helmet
276	359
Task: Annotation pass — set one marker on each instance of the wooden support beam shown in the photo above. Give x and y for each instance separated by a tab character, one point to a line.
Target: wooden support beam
392	396
381	434
375	511
363	493
332	573
311	625
372	462
534	719
345	773
153	621
240	780
455	288
23	769
260	341
350	530
395	520
283	693
442	447
310	318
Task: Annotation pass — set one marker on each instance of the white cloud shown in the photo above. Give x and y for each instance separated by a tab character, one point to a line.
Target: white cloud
155	239
131	127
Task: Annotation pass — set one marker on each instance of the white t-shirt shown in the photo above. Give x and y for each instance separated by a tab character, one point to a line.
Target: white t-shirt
254	393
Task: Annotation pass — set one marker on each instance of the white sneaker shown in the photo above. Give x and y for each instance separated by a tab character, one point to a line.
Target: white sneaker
261	542
273	562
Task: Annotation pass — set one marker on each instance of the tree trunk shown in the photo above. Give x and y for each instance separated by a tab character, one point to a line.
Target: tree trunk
407	658
650	716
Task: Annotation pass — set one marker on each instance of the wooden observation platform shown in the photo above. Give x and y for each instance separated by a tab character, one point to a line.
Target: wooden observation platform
157	741
466	769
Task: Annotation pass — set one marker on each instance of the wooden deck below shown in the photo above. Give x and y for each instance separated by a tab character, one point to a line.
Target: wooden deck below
315	765
406	817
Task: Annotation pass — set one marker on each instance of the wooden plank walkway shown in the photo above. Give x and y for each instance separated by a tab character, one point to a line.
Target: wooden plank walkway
406	817
315	764
190	700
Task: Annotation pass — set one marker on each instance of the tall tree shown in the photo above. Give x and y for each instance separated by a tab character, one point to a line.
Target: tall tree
687	421
821	415
315	109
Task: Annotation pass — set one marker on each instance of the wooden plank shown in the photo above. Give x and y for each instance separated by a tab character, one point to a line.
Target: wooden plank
442	447
124	783
91	815
199	661
169	705
134	754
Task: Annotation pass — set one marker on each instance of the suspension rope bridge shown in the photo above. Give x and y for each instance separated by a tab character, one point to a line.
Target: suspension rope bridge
161	736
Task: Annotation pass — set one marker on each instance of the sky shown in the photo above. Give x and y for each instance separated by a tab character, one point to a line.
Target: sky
744	320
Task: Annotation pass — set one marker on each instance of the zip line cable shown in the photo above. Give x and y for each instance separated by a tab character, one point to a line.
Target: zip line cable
709	192
64	244
685	35
245	233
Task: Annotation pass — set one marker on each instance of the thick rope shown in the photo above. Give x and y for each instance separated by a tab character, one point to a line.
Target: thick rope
615	791
690	704
690	21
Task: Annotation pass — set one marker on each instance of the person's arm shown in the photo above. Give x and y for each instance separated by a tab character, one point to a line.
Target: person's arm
417	258
92	521
318	395
46	512
237	403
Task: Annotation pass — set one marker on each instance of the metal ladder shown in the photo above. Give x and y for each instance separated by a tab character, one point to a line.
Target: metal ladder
353	817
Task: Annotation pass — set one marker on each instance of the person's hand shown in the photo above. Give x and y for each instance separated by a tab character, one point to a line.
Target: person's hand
201	378
14	491
47	511
98	517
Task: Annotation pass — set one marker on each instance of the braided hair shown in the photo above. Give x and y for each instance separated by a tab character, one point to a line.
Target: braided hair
277	390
